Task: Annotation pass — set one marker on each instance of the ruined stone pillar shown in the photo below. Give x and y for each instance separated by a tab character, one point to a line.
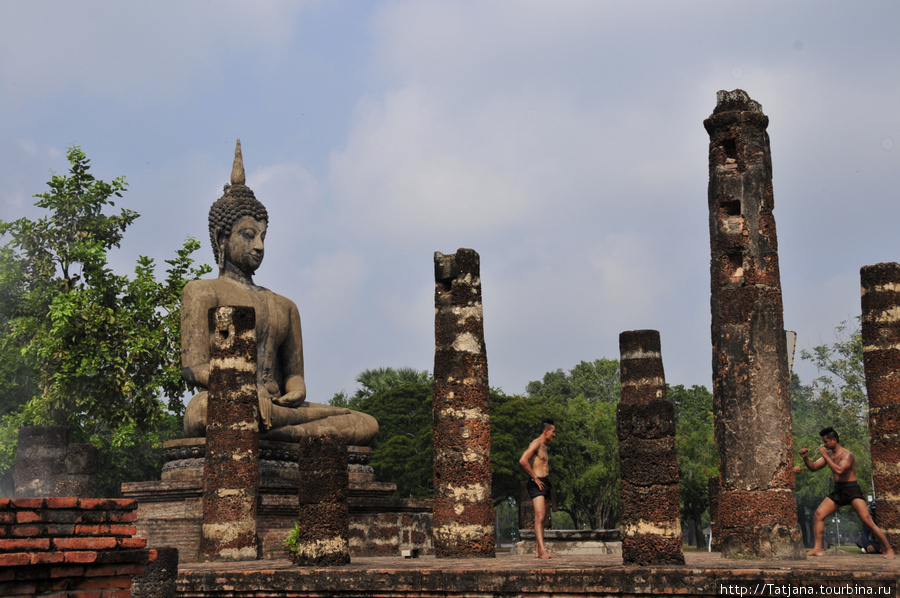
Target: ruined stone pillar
881	360
645	424
757	511
463	508
47	465
321	536
231	467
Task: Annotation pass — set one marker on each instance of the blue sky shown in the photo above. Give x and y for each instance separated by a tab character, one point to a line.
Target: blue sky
562	140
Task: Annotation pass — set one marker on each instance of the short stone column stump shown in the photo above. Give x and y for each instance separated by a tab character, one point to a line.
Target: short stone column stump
321	536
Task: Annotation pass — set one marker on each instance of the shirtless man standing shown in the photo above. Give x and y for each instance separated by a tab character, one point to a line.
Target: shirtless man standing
536	463
846	490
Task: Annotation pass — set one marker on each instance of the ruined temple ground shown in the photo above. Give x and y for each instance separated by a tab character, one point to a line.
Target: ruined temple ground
704	574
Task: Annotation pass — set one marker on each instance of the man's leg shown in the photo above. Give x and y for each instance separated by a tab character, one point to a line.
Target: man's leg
825	509
540	512
859	505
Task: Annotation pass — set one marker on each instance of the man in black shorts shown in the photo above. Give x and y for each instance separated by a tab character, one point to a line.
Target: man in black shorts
536	463
846	490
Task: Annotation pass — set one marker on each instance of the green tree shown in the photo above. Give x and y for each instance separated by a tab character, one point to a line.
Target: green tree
81	345
17	378
403	453
584	462
698	460
595	381
378	380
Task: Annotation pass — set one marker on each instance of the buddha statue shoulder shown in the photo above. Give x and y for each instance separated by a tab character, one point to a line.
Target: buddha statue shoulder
238	223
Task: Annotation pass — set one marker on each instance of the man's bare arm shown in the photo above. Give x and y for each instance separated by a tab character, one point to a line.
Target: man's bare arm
812	466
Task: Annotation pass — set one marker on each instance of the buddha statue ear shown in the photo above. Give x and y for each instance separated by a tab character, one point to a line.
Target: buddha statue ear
220	246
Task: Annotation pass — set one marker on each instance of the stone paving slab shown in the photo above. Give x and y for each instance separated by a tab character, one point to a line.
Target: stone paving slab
704	574
693	560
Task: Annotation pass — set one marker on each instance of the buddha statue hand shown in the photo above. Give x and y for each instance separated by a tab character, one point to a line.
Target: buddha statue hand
265	408
291	399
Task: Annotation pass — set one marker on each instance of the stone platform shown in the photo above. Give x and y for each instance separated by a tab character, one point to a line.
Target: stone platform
572	541
508	575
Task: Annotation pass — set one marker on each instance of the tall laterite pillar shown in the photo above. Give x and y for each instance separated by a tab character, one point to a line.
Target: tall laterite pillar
463	521
881	360
757	512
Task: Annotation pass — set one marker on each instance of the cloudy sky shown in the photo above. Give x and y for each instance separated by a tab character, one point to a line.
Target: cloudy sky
561	140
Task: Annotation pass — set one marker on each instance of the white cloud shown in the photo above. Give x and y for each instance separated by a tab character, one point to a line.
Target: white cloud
149	51
332	287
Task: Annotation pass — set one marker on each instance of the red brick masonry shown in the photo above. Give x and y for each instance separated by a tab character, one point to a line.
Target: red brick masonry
62	547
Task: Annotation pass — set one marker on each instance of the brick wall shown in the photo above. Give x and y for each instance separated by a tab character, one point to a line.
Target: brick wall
69	547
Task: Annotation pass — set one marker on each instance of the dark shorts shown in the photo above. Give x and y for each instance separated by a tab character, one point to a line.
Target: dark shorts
534	491
846	492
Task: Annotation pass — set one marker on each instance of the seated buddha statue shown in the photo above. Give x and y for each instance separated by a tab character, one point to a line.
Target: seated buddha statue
237	231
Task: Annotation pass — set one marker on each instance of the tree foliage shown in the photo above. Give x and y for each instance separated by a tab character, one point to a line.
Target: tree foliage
379	380
584	462
403	453
595	381
698	460
80	345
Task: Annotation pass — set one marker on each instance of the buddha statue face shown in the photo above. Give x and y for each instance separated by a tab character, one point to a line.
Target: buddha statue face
244	248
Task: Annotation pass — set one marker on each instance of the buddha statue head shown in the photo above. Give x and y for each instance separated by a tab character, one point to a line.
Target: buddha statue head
237	202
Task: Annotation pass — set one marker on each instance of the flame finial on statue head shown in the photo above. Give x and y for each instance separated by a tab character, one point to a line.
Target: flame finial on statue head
237	171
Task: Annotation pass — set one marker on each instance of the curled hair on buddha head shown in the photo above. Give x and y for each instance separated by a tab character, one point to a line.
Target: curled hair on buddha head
237	202
829	434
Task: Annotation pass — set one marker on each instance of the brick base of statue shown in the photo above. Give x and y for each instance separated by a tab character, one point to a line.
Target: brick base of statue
323	528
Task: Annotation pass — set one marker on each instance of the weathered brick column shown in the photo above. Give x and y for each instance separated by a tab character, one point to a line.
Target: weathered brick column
650	521
323	527
757	511
231	467
47	465
158	578
881	360
463	508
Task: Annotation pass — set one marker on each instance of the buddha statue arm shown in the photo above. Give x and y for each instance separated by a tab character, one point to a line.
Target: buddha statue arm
290	356
196	299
